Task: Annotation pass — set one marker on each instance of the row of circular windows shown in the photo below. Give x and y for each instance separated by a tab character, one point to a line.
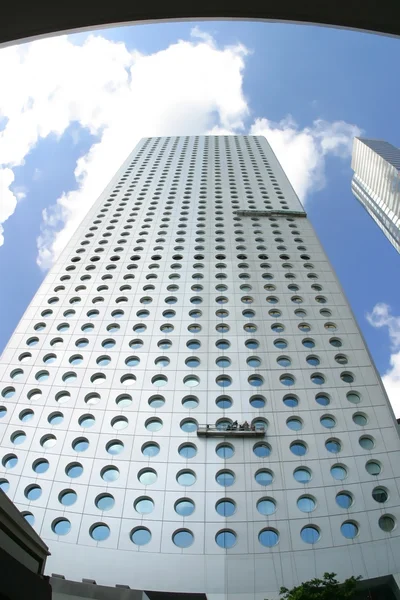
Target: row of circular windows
168	328
193	344
218	233
187	477
223	362
161	380
193	300
225	507
224	538
151	449
197	287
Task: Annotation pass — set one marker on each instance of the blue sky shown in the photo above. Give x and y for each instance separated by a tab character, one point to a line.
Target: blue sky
332	83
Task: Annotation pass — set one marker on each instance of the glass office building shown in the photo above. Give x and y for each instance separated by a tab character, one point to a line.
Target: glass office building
187	404
376	184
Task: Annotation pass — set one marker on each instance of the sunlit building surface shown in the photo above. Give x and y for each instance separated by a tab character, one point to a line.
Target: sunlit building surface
188	404
376	184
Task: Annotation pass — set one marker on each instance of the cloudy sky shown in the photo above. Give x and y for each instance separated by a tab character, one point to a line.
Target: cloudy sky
73	107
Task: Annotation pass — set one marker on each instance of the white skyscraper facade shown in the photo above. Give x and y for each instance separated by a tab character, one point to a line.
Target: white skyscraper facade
188	405
376	184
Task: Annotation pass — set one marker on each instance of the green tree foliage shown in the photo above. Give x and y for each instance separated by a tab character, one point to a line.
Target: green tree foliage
327	588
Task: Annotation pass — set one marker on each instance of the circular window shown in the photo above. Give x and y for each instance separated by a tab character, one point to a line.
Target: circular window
251	344
159	380
186	478
184	507
10	461
322	399
191	380
360	419
309	343
190	402
74	470
380	494
4	485
183	538
264	477
286	379
310	534
153	424
80	444
224	451
86	421
223	402
225	538
132	361
119	423
104	502
48	441
302	475
150	449
192	362
344	499
294	423
349	529
188	425
193	344
366	442
306	503
266	506
387	523
225	478
114	447
262	449
317	378
333	445
298	448
222	344
62	397
140	536
67	497
255	380
338	472
33	492
223	362
99	532
283	361
353	397
109	474
290	401
123	401
27	415
347	377
144	505
225	507
223	381
61	526
328	421
268	537
187	450
373	467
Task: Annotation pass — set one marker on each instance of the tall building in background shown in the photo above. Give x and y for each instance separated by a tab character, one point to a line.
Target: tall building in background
376	184
188	404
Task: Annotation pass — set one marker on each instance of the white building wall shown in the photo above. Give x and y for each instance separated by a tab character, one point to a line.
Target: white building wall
175	193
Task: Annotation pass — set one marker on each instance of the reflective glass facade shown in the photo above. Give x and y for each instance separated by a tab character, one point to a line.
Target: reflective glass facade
376	184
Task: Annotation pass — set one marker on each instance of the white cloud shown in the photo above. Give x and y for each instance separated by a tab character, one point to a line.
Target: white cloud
381	317
302	152
191	87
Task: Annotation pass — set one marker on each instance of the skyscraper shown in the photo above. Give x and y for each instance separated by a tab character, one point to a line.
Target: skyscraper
376	184
188	404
